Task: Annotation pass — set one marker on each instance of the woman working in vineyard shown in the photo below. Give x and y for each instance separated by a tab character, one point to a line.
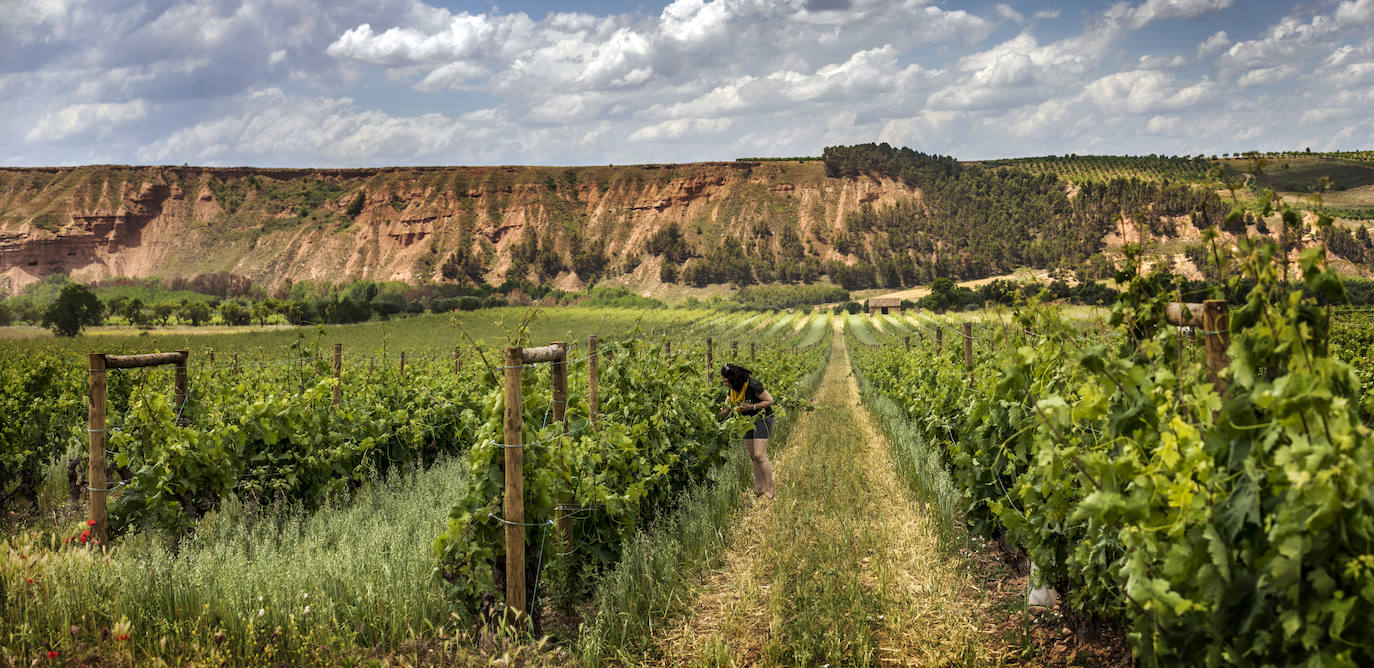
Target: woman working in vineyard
748	398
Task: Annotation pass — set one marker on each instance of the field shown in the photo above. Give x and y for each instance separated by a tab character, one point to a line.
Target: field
291	511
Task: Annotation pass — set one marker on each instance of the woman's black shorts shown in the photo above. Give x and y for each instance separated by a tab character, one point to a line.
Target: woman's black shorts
763	427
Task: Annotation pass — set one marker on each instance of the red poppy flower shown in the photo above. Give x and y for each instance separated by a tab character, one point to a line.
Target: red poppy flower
123	637
85	535
30	580
52	654
90	523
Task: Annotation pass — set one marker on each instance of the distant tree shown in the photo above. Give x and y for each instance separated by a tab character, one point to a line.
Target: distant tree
163	312
299	312
263	310
27	311
75	308
235	313
6	314
196	312
116	305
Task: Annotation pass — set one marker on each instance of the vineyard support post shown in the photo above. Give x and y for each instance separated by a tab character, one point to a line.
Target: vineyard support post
457	361
907	340
667	347
558	376
593	380
403	365
95	474
96	431
236	364
710	358
751	351
338	375
1216	327
939	340
514	496
734	350
968	347
180	391
212	357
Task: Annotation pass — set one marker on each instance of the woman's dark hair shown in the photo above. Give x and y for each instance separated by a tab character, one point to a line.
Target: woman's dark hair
735	375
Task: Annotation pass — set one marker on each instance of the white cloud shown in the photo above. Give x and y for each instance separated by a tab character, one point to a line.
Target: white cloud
1150	11
678	128
277	128
689	39
1216	42
1293	35
1017	71
1163	125
295	82
1007	12
1145	92
467	38
1265	76
79	119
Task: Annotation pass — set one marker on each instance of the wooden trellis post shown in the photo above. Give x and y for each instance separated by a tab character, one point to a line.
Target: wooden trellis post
95	476
457	361
558	378
939	340
180	389
98	364
514	501
907	341
734	350
338	375
1214	317
514	497
710	358
593	380
403	365
968	347
751	351
1216	327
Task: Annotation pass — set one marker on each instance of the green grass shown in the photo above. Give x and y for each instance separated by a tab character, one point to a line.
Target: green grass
896	325
816	529
815	331
280	585
856	327
418	335
783	326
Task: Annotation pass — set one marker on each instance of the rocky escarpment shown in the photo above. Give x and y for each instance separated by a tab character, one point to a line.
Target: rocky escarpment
277	226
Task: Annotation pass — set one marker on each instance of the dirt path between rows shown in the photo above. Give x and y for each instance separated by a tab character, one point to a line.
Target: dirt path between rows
842	567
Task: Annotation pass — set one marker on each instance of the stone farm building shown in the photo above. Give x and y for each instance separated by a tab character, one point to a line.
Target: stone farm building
884	305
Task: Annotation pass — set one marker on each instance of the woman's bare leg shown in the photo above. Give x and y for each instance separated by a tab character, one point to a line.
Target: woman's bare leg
763	469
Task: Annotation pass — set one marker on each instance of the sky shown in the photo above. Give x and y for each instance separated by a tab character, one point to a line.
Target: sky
352	83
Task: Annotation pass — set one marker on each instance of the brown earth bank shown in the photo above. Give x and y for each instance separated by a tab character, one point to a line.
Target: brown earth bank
446	224
281	225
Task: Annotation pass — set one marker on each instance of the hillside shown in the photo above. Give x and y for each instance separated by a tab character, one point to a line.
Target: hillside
637	225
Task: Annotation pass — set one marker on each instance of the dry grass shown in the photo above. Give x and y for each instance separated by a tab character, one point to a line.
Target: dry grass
843	568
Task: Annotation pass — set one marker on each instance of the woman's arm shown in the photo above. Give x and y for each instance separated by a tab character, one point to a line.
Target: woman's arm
765	400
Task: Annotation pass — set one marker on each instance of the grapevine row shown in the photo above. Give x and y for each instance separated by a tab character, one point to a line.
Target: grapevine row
1232	527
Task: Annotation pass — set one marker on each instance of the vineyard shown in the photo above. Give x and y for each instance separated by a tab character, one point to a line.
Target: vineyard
1196	484
246	520
1105	168
1218	518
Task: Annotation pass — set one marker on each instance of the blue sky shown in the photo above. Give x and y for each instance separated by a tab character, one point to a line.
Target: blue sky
409	82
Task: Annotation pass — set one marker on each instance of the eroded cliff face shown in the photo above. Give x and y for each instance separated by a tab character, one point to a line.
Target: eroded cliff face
277	226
